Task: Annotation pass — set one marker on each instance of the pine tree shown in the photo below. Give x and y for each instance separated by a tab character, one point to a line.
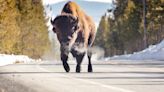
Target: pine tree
23	28
9	29
125	32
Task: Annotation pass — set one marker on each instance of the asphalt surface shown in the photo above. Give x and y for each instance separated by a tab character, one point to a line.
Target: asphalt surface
112	76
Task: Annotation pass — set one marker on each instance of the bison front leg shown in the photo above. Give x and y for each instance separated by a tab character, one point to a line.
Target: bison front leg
79	59
64	59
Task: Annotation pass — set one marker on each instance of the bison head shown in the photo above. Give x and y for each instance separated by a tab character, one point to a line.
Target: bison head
66	27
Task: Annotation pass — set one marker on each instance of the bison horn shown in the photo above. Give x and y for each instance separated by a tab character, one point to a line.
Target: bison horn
52	21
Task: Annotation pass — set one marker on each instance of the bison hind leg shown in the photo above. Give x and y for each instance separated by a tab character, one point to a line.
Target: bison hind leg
79	59
78	68
89	61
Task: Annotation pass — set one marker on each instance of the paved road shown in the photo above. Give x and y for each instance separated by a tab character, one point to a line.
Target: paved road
112	76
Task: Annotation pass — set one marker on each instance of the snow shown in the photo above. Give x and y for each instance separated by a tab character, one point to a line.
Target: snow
11	59
102	1
46	2
153	52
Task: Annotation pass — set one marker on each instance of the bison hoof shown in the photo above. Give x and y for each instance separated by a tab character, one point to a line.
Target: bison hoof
90	68
67	70
66	67
90	71
78	69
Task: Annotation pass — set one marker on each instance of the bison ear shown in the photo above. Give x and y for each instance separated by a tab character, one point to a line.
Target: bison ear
76	24
77	20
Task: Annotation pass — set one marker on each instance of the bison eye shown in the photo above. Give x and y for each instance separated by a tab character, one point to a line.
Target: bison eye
74	28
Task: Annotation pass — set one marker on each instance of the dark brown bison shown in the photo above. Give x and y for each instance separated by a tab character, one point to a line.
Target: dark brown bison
76	33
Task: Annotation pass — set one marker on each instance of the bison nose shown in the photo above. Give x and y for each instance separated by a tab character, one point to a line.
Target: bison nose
67	43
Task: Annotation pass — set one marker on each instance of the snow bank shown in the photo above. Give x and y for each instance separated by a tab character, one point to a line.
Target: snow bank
154	52
102	1
11	59
46	2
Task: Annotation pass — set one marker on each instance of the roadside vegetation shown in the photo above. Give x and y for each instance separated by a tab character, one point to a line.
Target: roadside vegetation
23	28
124	32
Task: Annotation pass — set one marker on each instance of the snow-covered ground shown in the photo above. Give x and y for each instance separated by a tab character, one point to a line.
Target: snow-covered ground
153	52
11	59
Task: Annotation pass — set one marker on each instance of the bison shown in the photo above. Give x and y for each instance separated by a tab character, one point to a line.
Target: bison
76	33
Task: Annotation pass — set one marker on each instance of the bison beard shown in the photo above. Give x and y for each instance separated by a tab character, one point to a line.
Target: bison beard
75	32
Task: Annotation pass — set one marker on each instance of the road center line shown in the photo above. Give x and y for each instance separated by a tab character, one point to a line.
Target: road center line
88	81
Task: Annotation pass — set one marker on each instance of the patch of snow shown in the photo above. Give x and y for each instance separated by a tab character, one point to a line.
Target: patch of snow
11	59
102	1
46	2
153	52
